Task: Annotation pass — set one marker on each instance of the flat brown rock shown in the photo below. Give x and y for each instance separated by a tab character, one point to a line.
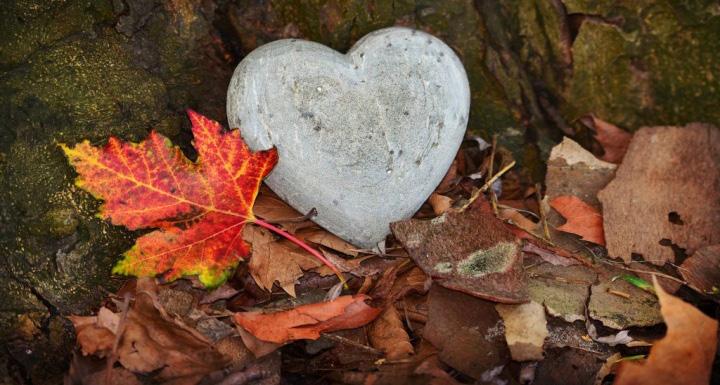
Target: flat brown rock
665	195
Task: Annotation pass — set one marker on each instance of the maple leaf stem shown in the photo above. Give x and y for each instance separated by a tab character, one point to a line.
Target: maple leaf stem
303	245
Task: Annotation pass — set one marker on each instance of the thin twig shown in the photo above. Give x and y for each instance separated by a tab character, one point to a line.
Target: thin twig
352	343
124	310
487	184
670	277
493	198
543	216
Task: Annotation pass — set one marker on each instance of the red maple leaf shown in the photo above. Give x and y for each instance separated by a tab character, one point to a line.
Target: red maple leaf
582	219
198	208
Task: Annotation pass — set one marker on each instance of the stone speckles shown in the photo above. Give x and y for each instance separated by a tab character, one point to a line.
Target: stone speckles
371	125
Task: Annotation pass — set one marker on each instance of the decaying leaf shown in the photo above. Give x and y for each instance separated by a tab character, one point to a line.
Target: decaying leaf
467	331
308	321
271	208
614	140
388	334
470	251
525	330
329	240
440	203
562	289
151	342
702	269
684	356
276	260
621	305
664	197
582	219
198	209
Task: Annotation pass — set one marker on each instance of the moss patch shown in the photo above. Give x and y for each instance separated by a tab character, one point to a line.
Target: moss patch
493	260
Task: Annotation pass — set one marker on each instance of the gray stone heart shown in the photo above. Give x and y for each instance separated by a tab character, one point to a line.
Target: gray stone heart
364	137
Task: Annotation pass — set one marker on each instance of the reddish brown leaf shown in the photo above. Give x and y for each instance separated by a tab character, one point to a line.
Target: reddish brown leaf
388	334
684	356
308	321
276	260
439	203
327	239
613	139
151	341
470	251
582	219
197	208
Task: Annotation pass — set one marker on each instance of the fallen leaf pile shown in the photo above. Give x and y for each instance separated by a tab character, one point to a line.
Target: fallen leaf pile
144	339
689	338
495	280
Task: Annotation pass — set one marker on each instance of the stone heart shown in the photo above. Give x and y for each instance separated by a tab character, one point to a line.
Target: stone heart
364	137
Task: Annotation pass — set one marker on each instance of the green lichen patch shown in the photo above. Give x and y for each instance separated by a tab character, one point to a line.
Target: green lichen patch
493	260
444	267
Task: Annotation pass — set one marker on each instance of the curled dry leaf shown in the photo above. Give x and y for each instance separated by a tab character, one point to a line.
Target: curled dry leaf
439	203
582	219
329	240
387	334
308	321
613	139
151	342
684	356
276	260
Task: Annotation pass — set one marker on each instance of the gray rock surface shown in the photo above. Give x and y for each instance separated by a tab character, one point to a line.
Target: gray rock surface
364	137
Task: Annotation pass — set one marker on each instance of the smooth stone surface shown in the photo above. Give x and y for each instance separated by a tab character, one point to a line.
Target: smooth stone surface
364	137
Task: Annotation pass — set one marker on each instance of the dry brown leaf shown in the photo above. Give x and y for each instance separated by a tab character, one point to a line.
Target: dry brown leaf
702	269
665	194
276	260
470	251
525	330
514	217
582	219
271	208
151	341
613	139
308	321
439	203
387	333
350	265
684	356
329	240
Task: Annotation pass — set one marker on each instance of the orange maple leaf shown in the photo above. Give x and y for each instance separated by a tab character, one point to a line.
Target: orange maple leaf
308	321
582	219
198	208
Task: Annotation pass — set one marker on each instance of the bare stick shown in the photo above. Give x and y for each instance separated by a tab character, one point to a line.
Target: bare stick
487	184
493	198
543	216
